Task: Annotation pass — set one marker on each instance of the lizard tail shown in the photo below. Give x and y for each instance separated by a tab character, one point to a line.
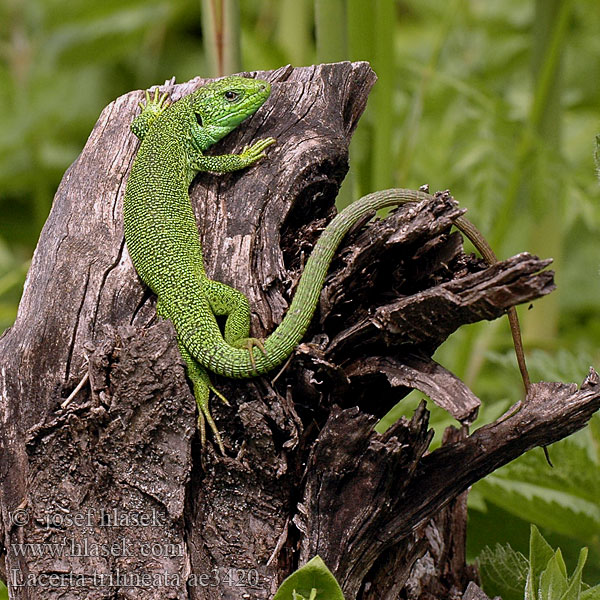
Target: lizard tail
233	362
299	315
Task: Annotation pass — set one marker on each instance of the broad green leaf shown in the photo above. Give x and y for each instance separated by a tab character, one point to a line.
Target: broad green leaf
314	581
563	499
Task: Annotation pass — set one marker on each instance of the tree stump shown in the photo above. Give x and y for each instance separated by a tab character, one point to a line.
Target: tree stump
113	497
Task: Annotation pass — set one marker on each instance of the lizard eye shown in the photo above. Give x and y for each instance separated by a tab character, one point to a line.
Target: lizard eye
199	119
231	95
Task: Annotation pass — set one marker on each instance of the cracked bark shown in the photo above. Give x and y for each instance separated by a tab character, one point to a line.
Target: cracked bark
118	479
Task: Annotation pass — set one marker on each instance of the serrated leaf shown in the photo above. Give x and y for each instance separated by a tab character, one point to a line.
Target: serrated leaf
503	572
563	499
314	581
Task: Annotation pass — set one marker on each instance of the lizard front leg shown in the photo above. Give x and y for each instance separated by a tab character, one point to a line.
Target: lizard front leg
151	110
225	163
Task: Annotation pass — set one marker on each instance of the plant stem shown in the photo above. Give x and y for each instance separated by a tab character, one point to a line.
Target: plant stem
221	31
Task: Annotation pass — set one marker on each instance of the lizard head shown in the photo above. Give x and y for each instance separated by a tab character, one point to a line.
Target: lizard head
222	105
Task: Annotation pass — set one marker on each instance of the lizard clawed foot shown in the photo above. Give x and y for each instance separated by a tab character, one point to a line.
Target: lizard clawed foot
249	344
202	389
155	104
256	151
218	394
152	108
204	417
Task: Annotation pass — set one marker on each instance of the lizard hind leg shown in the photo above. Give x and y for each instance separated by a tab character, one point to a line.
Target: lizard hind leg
202	388
225	300
249	343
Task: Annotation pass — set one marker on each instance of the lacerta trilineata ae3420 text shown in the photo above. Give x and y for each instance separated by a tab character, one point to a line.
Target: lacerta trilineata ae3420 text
164	245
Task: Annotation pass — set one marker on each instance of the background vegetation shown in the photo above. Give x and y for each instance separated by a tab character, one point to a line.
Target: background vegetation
497	101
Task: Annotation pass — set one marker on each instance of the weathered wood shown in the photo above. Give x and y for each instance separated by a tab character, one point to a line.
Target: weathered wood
474	592
305	472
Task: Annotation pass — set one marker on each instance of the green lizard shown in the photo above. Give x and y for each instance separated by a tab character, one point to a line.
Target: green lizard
163	241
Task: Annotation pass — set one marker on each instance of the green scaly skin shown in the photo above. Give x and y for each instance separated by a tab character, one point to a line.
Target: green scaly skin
164	245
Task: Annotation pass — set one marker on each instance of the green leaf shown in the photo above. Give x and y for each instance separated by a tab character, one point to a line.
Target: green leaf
314	581
563	499
573	591
553	580
597	155
591	594
503	572
540	554
543	576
